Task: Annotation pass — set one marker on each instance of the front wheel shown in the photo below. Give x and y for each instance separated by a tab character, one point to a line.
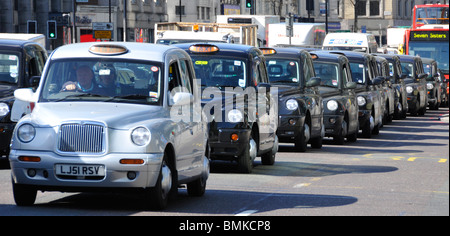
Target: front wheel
245	161
24	195
268	158
301	141
158	196
197	187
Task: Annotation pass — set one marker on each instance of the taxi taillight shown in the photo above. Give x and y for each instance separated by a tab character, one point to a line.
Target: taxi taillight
203	48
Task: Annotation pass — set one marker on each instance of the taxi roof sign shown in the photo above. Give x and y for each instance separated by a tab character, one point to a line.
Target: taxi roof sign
268	51
108	49
203	48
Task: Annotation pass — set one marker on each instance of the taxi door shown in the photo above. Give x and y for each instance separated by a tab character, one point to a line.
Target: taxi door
267	122
189	144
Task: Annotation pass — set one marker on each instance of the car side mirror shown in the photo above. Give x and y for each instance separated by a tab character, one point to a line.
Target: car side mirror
265	86
313	82
181	99
25	94
34	81
378	80
423	76
351	85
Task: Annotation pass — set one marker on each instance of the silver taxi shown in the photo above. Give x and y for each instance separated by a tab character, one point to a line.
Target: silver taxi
104	120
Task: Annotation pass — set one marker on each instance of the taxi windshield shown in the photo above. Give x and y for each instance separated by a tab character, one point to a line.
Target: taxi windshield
358	72
9	68
283	71
407	69
220	72
328	73
103	80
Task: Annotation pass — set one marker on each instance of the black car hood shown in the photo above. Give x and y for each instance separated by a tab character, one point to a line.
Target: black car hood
286	90
328	91
7	90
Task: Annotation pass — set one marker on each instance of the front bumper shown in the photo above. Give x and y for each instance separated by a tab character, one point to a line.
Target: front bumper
115	173
224	148
364	118
412	102
289	127
333	124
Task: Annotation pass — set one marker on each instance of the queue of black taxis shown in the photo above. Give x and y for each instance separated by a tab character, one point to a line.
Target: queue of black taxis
90	132
398	83
386	89
434	90
300	106
364	73
416	84
337	89
238	100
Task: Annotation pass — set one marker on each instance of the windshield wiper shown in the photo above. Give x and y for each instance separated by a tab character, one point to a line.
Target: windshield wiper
327	85
80	96
131	96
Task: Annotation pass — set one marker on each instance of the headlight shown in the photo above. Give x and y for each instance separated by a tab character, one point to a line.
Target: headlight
235	116
409	89
291	104
361	101
26	133
4	109
141	136
430	86
332	105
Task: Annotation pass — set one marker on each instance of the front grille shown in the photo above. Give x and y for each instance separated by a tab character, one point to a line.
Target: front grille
82	138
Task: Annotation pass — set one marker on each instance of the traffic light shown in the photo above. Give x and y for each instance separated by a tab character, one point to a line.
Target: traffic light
248	3
51	29
31	27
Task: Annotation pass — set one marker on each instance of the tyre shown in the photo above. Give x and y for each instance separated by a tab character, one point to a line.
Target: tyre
340	138
197	187
268	158
245	161
301	141
158	196
24	195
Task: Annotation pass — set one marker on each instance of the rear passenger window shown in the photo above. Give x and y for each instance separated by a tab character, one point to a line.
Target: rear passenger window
186	77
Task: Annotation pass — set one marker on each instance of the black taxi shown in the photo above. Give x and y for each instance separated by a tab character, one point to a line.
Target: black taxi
339	98
430	66
386	89
416	84
368	97
20	60
238	100
300	108
398	83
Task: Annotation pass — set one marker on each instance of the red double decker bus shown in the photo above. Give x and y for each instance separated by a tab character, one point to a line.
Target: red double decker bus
430	16
429	34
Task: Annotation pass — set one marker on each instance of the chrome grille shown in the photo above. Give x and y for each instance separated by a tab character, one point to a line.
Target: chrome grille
84	138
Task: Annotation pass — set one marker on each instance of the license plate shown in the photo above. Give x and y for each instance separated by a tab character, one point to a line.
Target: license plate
80	170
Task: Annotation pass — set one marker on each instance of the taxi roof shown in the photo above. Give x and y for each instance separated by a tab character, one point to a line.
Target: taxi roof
286	52
13	44
327	56
138	51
